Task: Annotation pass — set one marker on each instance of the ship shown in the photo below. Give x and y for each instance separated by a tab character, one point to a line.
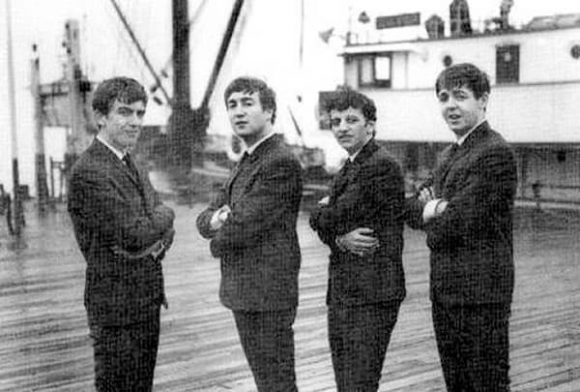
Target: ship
534	70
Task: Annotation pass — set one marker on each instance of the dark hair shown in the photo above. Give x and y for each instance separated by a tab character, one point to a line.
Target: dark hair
345	97
464	74
250	85
122	89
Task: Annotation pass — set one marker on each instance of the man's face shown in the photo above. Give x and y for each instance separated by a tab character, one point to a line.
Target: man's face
460	109
247	117
122	126
351	130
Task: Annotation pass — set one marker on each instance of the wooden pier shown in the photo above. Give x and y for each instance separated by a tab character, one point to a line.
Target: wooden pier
44	343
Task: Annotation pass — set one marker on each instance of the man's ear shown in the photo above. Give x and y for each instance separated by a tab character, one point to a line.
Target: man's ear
371	127
484	99
99	119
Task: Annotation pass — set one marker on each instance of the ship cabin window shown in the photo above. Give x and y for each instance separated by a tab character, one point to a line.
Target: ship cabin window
575	52
374	71
383	71
447	61
507	69
366	75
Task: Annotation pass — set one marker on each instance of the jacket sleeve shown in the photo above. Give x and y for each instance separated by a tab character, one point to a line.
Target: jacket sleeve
316	221
204	218
384	201
276	189
488	189
97	204
380	198
414	207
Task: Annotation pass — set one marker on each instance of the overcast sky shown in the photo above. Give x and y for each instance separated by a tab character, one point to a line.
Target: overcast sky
106	44
269	48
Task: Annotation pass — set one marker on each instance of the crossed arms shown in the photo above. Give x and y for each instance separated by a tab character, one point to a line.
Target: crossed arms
377	201
485	189
232	224
98	204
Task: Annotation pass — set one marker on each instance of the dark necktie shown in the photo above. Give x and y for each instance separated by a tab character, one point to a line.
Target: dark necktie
245	157
347	166
453	150
131	165
243	161
137	179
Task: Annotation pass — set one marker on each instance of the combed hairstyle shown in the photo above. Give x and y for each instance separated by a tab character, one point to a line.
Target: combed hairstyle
250	85
461	75
345	97
122	89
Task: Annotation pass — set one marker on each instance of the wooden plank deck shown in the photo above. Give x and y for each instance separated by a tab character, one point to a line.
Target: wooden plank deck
44	344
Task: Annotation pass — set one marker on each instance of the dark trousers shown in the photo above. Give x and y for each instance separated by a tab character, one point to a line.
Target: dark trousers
359	336
268	342
473	344
125	355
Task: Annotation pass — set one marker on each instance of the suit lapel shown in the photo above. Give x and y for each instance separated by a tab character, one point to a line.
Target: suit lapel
113	160
134	177
234	175
340	182
244	170
448	163
121	168
344	177
133	170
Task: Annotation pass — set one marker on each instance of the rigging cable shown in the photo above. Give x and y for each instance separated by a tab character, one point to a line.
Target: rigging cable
141	51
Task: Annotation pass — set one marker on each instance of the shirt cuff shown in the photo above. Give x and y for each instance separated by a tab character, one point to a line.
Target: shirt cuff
215	223
429	211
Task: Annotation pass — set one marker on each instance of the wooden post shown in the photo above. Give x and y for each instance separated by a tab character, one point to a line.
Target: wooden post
524	156
52	192
18	211
40	159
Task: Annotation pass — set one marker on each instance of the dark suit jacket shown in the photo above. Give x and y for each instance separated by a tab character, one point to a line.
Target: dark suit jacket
258	244
471	241
111	208
370	195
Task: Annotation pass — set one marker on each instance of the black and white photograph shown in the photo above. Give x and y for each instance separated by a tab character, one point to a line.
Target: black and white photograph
289	195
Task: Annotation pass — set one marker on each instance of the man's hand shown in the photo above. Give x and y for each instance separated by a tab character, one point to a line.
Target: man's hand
165	244
426	194
220	216
360	241
168	238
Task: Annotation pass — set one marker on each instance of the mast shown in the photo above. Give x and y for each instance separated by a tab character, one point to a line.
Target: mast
18	211
186	143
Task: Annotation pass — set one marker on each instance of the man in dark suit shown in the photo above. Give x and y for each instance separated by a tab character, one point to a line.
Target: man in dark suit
362	223
466	209
123	231
252	227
